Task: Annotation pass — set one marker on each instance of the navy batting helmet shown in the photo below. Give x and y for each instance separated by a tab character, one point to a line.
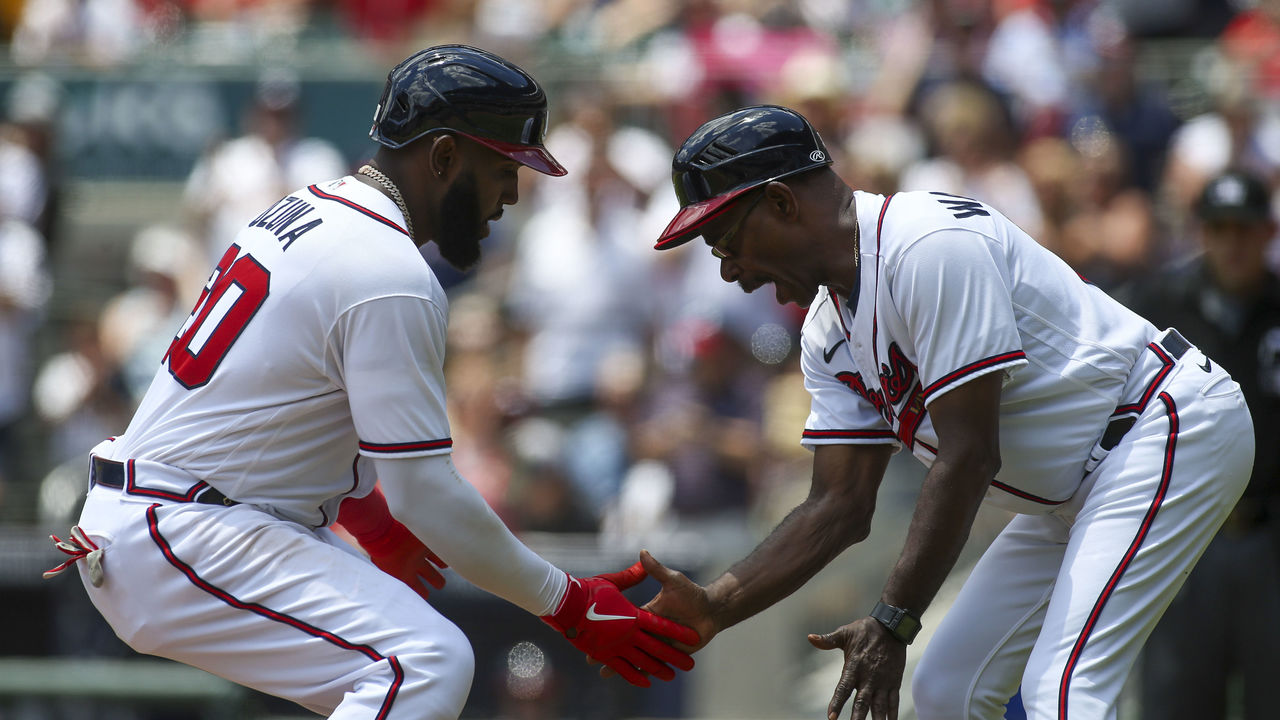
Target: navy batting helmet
732	154
469	91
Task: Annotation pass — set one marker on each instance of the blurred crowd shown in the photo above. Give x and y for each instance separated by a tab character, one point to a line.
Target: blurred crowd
596	385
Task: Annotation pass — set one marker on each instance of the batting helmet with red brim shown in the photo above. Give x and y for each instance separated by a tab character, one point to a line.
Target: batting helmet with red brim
471	92
732	154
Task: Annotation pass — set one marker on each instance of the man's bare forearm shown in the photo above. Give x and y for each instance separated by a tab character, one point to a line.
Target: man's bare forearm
836	514
809	538
939	529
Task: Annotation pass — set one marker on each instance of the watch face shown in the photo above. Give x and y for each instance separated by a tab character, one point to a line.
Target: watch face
907	626
902	624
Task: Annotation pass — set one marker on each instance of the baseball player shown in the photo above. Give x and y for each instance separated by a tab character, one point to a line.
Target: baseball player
937	326
309	370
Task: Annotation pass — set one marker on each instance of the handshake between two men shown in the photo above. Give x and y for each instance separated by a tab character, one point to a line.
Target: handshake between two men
630	641
593	614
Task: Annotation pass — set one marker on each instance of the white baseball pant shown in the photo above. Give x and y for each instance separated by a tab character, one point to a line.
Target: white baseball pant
274	606
1062	603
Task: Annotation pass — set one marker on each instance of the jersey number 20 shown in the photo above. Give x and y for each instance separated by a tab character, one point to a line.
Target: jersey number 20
230	299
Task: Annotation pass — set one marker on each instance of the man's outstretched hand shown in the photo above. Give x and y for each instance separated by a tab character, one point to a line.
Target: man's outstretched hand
874	662
680	600
596	618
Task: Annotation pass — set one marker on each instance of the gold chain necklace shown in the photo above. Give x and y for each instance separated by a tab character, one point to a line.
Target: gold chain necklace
376	175
857	245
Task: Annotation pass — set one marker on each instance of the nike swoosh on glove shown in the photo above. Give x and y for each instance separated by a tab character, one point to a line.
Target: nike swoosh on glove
596	618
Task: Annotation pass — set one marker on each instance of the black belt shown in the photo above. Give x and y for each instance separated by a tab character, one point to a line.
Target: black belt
1175	346
111	474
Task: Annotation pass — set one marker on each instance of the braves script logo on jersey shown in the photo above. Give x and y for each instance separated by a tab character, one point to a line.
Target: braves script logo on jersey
899	378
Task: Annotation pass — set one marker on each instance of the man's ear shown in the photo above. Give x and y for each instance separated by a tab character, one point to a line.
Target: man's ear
782	200
444	156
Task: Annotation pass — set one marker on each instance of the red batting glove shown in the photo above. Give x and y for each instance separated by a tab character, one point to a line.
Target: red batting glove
400	554
390	545
598	620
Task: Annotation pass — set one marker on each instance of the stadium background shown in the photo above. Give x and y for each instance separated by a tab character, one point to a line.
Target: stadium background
604	398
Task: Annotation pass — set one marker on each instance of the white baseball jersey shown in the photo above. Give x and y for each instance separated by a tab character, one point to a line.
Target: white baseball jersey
315	348
271	410
1063	600
915	332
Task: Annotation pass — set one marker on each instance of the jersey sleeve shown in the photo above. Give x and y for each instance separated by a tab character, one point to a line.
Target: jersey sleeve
837	413
390	353
953	295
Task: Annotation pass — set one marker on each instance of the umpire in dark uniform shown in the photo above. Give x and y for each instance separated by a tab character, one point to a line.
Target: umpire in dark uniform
1224	625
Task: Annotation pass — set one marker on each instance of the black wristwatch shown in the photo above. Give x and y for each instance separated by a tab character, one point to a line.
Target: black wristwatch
899	622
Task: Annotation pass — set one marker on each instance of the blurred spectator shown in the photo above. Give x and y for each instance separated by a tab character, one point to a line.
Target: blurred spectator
542	497
879	149
1111	235
518	22
391	22
722	55
93	32
24	288
931	42
597	453
30	177
814	83
479	413
219	31
1136	112
1252	40
231	184
970	130
1239	131
1025	61
746	49
1175	18
1053	168
545	500
601	27
78	393
165	273
705	427
1224	624
1082	28
579	282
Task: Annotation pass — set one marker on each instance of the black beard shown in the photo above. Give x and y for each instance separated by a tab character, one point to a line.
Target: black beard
459	236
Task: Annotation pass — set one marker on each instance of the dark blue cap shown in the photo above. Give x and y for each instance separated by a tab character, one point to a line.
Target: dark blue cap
1235	195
